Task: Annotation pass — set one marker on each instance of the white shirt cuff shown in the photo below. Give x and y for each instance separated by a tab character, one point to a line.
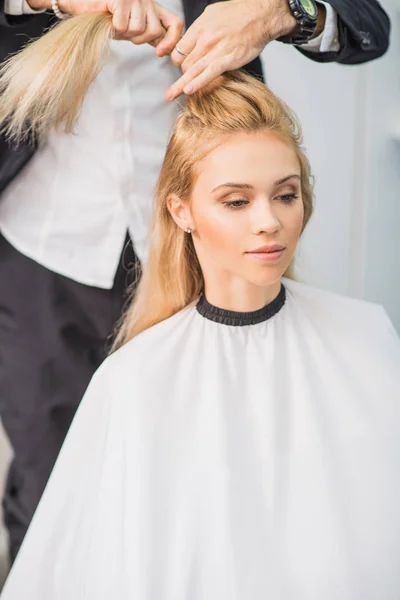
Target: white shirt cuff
19	7
328	40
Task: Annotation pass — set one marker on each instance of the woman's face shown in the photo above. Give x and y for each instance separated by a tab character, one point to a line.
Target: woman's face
246	210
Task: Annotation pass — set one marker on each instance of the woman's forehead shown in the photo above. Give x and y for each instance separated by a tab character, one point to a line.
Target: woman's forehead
260	156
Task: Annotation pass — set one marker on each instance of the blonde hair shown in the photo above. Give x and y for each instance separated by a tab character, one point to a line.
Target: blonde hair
43	85
172	277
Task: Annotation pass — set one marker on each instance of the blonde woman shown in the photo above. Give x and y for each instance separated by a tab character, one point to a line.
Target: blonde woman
243	441
68	201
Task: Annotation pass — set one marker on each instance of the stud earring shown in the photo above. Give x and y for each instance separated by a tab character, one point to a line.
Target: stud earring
188	230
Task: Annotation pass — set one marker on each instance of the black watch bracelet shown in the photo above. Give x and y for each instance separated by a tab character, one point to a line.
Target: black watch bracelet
306	14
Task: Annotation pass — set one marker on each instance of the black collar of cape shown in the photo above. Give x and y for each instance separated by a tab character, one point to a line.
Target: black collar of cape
240	319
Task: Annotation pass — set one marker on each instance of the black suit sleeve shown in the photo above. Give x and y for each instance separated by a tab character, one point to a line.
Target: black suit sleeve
15	32
12	20
364	30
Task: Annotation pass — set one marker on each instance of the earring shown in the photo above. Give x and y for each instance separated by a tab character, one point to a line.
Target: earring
188	230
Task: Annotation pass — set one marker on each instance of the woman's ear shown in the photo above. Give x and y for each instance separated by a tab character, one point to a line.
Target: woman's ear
180	212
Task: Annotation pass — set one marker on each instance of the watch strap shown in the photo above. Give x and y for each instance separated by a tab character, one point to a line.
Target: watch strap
306	25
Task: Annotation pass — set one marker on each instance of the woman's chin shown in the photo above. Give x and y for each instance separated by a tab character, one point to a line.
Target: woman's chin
266	278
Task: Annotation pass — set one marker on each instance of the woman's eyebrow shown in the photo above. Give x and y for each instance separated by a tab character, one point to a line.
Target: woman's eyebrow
247	186
280	181
240	186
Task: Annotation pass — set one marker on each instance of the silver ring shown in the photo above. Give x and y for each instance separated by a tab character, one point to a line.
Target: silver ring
179	51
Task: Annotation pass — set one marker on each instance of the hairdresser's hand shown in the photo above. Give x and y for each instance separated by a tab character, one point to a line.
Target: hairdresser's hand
225	37
140	21
145	22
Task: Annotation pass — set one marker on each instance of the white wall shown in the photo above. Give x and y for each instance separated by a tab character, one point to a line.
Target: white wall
382	166
349	116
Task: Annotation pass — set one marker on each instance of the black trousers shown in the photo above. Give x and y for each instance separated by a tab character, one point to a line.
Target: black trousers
54	333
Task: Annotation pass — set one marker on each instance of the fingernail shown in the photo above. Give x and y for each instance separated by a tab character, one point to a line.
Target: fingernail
188	89
169	96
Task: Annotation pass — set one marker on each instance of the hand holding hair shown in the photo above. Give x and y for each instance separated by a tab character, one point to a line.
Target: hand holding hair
139	21
43	86
226	36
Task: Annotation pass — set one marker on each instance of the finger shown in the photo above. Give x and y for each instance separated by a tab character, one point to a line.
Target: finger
155	43
202	73
148	38
176	89
186	44
174	26
154	29
204	78
198	52
154	26
121	17
178	58
137	21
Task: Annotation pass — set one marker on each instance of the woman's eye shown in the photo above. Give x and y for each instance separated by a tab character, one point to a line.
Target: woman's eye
287	198
235	203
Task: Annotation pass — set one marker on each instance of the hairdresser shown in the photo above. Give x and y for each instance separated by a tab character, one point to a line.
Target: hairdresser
68	202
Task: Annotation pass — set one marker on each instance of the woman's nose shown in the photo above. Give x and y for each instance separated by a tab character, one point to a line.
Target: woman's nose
265	219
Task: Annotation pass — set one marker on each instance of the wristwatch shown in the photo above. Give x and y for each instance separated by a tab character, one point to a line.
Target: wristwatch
306	14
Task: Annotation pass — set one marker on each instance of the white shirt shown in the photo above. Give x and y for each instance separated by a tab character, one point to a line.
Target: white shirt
213	462
70	207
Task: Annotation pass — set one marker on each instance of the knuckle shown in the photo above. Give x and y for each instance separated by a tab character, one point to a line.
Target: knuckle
178	23
207	43
178	59
155	32
136	29
177	31
201	65
219	64
120	28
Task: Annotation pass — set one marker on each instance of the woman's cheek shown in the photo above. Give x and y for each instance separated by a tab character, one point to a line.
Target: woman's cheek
295	223
217	230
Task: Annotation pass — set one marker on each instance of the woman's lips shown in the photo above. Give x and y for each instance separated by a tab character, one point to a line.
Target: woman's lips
272	254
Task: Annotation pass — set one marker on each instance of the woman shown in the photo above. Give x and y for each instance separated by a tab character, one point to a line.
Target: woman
259	453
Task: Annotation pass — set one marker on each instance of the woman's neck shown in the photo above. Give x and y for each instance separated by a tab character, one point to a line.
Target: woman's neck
240	295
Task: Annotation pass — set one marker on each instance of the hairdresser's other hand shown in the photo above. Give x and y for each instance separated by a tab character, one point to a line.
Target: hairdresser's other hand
226	36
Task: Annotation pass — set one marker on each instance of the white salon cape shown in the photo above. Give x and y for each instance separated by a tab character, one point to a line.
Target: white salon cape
219	461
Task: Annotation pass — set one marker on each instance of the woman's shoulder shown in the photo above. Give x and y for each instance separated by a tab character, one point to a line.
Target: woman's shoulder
139	355
329	301
331	310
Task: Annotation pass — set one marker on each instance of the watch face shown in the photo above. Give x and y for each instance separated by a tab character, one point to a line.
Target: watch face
310	8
